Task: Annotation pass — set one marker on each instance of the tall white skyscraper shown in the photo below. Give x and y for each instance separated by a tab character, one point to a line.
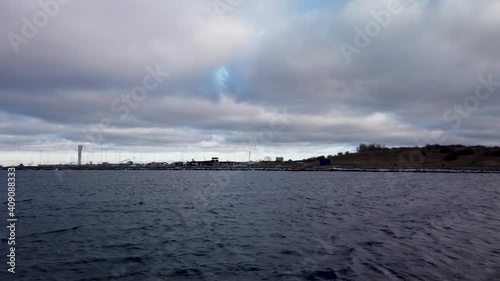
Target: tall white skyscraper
80	148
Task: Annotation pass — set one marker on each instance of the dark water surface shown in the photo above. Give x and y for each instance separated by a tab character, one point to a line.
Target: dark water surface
254	225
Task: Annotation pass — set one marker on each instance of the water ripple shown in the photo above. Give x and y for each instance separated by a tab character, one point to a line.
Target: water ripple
257	225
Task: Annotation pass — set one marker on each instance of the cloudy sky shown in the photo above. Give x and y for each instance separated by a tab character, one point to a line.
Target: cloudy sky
175	80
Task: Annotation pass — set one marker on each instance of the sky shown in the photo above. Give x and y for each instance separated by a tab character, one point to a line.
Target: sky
176	80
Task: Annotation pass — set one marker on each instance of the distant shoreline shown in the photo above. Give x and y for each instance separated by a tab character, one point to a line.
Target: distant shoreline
368	158
285	169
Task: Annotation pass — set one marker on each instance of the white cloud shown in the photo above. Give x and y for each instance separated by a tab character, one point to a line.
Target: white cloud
394	92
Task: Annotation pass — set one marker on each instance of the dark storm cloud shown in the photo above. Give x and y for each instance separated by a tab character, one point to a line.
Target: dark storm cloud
400	87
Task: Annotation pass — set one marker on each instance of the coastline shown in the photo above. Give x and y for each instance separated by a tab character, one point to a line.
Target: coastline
289	169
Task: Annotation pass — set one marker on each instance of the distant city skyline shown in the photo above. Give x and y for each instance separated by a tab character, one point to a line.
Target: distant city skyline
116	156
198	79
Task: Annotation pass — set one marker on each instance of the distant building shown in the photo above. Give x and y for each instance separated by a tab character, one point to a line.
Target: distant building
215	160
280	159
80	149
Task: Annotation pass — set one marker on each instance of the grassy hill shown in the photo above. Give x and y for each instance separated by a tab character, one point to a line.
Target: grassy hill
429	157
434	156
